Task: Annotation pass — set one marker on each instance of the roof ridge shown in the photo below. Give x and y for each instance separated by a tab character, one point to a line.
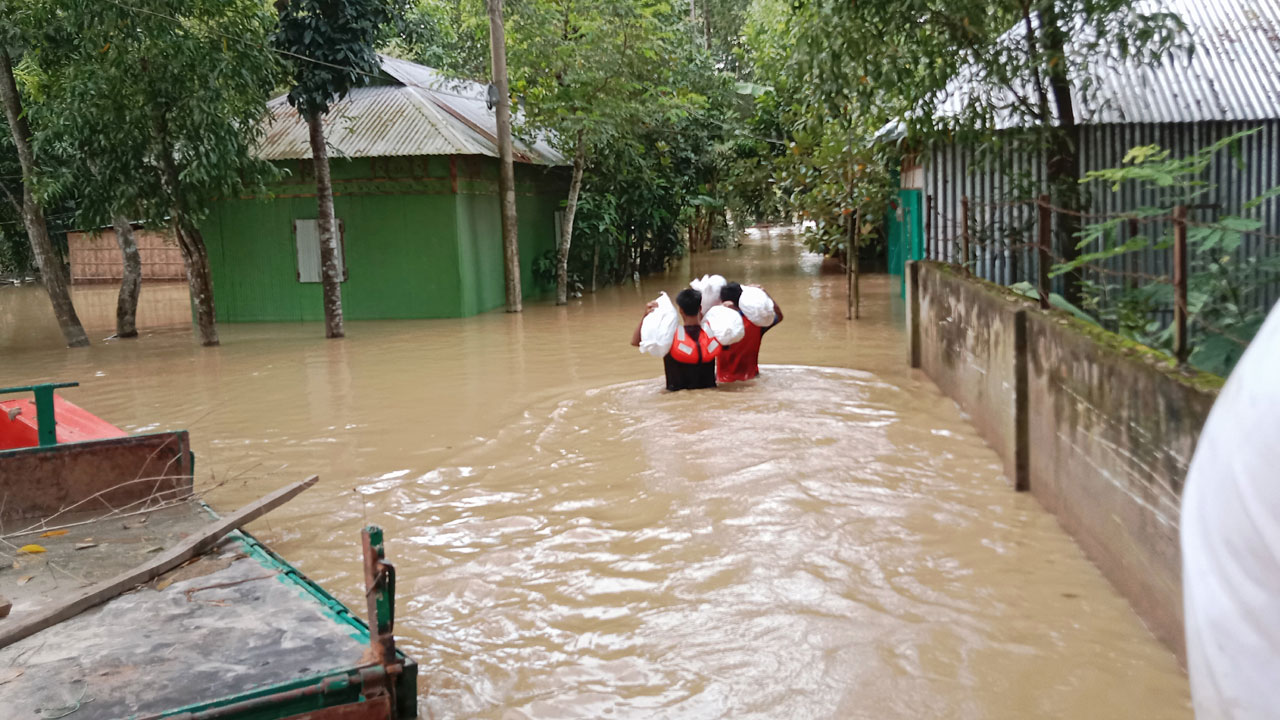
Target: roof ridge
429	111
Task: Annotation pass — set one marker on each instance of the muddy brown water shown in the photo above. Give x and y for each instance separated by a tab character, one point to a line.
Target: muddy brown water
832	540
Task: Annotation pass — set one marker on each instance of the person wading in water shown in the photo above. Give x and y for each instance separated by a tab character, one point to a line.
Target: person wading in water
691	362
740	361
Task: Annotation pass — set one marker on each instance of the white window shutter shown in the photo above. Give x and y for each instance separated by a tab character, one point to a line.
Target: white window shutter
306	234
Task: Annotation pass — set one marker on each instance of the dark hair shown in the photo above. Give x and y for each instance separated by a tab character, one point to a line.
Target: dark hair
690	301
731	292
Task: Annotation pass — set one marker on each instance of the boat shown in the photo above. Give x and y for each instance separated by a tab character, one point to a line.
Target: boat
125	596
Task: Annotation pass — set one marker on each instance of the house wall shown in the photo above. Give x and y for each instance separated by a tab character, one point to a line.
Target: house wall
422	240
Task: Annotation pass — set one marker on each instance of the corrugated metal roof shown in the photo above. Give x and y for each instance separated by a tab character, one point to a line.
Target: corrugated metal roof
421	113
1233	74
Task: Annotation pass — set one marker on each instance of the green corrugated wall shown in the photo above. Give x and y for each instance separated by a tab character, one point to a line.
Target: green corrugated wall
414	248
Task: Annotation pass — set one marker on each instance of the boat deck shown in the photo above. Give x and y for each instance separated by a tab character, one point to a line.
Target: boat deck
232	623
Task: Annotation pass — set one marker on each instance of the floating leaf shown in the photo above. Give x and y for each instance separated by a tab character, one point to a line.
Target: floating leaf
54	533
26	579
86	545
31	549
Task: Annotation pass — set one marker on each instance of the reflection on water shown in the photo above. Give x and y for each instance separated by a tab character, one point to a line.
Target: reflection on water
832	540
26	318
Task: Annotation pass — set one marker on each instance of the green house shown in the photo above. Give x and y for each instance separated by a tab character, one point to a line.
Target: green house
414	160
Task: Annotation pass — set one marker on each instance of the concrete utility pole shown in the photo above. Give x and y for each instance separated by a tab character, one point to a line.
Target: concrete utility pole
507	178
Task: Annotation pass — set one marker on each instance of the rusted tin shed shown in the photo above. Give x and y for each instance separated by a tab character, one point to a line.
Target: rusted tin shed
1229	84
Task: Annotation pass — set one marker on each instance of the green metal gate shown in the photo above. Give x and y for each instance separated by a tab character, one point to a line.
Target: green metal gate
905	221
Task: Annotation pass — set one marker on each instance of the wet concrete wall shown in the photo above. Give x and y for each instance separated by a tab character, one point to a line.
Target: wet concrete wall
1105	428
968	340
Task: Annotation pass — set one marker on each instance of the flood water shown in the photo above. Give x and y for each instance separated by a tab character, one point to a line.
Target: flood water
832	540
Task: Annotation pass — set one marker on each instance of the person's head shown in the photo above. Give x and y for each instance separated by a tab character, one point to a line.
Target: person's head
690	302
731	292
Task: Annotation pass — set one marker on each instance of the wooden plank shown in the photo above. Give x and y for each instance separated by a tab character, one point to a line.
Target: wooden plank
198	543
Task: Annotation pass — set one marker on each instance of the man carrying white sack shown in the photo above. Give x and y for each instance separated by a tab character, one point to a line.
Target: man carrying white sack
1231	543
690	363
740	361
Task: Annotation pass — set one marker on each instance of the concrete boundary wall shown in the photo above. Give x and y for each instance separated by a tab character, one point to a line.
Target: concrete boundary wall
1100	430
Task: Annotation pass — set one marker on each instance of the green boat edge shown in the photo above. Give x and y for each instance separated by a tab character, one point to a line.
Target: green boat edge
317	692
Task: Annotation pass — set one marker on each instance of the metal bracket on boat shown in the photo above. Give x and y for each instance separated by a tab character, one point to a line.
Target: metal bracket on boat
380	593
46	423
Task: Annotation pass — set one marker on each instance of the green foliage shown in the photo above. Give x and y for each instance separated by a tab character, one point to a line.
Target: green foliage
1221	285
635	82
449	35
329	46
840	71
114	88
15	250
821	99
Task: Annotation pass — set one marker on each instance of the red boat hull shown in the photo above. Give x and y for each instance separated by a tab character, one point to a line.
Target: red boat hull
18	427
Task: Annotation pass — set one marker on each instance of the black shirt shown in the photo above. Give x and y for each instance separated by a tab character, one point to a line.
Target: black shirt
690	376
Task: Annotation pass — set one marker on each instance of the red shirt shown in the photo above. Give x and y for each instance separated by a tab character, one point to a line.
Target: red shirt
739	361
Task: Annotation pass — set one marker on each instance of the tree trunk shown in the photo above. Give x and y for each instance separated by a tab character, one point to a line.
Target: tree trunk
330	276
1063	168
507	178
130	281
595	265
194	254
566	230
51	270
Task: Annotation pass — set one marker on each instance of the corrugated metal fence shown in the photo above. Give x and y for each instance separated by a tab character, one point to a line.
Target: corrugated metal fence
1002	186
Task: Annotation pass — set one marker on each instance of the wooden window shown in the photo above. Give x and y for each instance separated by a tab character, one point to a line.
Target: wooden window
306	239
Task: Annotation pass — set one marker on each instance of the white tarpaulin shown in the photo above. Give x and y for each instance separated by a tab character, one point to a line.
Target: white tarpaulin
1231	543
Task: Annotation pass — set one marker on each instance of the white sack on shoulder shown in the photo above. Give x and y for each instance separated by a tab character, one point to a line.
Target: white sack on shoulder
757	306
724	325
710	287
659	328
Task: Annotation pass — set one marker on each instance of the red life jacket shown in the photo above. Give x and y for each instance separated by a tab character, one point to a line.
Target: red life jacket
685	349
739	361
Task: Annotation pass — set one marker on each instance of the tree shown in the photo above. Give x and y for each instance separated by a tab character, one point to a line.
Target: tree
52	272
449	35
507	175
596	72
156	112
330	49
653	108
1022	64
